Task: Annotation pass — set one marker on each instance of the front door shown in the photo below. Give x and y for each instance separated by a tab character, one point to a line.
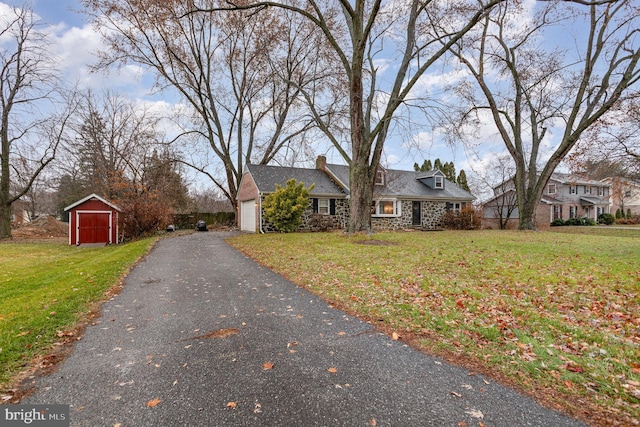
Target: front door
416	217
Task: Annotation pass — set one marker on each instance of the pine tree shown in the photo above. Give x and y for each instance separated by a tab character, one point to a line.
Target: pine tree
462	181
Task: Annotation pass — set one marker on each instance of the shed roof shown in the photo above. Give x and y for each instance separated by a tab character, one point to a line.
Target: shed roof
89	197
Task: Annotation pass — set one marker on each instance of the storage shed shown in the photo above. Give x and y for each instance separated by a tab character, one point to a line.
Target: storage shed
93	220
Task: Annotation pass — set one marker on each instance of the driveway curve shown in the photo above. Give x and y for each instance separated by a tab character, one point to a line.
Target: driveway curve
201	335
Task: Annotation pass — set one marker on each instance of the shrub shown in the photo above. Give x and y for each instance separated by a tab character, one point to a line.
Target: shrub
579	221
284	207
618	213
557	222
606	219
466	219
319	222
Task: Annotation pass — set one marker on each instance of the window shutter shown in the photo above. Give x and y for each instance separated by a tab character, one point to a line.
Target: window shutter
315	205
332	206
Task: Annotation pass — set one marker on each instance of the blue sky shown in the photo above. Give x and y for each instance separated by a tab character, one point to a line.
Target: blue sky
76	42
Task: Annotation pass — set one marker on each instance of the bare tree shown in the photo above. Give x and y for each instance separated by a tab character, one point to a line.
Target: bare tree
613	143
29	133
498	175
240	75
364	37
531	86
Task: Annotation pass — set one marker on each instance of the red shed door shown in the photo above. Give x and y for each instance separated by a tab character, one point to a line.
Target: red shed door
93	227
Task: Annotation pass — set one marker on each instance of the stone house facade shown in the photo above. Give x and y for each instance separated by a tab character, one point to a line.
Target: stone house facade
402	199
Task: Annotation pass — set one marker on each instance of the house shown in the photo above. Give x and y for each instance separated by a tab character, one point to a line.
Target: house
93	220
625	195
565	196
402	199
19	213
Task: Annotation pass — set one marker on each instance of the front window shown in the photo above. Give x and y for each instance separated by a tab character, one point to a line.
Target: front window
379	177
438	181
573	189
323	206
552	189
600	191
573	212
387	208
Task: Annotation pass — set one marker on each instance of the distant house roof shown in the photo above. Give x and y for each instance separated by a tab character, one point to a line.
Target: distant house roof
571	179
267	177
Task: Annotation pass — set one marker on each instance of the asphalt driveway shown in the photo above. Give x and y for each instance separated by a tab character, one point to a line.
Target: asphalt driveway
203	336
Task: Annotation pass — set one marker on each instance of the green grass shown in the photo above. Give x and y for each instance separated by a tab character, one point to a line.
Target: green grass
45	289
557	313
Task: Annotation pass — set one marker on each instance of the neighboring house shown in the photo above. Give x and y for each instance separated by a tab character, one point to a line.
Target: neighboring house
19	214
565	196
402	199
625	195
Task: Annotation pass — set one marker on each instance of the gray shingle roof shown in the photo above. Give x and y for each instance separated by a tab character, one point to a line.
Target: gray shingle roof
398	183
266	177
407	184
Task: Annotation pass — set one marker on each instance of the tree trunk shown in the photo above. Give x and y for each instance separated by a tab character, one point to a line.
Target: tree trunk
5	221
361	197
528	215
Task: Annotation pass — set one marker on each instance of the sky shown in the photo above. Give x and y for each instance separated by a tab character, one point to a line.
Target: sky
75	43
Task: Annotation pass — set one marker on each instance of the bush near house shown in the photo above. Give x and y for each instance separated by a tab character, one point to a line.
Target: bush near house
606	219
465	219
284	207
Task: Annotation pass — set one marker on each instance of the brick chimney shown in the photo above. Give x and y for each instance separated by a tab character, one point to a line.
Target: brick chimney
321	162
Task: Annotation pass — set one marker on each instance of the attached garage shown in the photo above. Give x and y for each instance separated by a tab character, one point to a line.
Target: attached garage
93	220
248	216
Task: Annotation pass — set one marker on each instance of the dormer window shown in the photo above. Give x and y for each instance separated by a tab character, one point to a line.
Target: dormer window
379	177
438	181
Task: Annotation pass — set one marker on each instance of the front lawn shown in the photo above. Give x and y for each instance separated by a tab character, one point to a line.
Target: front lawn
45	289
556	315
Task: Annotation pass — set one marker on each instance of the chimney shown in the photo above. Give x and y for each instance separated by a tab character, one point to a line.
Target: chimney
321	162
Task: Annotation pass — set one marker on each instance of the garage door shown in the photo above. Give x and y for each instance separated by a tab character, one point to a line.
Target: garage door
248	216
93	227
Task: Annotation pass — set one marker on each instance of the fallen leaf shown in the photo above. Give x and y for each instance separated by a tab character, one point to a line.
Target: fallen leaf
333	370
456	394
267	365
153	403
475	413
292	343
462	424
232	405
395	336
372	422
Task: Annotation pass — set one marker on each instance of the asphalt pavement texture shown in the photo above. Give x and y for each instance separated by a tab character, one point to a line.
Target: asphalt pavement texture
201	335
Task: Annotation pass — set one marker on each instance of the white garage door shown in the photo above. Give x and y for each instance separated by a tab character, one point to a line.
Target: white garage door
248	216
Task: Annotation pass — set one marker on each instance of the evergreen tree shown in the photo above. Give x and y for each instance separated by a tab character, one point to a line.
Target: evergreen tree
462	181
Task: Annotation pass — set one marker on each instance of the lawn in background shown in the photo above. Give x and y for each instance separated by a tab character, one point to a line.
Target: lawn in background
45	289
557	314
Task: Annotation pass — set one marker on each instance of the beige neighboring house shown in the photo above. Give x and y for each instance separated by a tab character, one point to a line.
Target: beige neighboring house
19	214
625	195
565	196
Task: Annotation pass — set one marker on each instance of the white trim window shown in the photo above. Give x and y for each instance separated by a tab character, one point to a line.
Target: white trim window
551	189
387	208
323	206
379	177
438	181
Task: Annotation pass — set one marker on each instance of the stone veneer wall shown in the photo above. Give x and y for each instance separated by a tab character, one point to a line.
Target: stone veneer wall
431	215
